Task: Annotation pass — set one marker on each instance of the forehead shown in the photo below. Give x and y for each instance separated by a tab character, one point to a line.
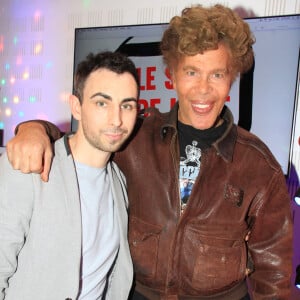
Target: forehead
108	81
210	59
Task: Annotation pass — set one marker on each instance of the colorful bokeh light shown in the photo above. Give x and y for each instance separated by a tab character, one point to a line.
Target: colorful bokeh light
12	80
19	60
25	75
8	112
38	49
32	99
1	43
16	99
37	16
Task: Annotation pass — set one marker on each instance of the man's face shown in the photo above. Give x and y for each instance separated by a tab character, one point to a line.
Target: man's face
202	83
108	110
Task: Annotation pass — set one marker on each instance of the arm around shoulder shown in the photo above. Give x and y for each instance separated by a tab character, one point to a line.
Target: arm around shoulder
50	129
31	150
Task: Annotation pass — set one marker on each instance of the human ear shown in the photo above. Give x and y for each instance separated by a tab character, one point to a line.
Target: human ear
75	107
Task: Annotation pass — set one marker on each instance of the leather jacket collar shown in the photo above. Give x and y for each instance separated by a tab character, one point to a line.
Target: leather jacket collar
224	145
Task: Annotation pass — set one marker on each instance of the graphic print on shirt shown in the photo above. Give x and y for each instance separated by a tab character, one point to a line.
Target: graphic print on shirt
189	169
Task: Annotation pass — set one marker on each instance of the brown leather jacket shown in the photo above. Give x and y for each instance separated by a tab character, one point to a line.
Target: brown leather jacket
240	194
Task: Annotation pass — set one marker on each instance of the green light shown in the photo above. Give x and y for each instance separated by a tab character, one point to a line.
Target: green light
86	3
32	99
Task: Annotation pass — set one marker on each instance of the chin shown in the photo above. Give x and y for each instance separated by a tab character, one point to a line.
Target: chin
202	126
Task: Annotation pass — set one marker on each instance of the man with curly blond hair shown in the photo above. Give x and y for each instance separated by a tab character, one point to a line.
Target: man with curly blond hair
209	209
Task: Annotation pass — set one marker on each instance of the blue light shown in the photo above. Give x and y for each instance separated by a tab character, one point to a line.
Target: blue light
297	197
297	278
49	65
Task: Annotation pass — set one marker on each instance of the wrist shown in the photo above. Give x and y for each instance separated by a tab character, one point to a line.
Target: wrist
31	125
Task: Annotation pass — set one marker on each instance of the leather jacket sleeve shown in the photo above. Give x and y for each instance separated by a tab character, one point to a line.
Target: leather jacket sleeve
52	130
270	241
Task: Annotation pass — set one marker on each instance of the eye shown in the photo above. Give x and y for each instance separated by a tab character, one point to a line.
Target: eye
129	106
101	103
191	73
218	76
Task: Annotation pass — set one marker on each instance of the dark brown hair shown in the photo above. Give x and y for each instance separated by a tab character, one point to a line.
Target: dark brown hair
112	61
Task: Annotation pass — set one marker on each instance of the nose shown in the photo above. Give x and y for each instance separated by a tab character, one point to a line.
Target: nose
203	85
116	116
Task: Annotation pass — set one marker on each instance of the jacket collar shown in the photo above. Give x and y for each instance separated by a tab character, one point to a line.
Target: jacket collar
224	145
66	142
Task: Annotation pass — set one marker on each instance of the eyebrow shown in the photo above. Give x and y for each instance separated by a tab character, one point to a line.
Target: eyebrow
107	97
189	67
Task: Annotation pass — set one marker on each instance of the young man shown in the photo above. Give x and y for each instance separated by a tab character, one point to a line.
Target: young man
67	239
233	220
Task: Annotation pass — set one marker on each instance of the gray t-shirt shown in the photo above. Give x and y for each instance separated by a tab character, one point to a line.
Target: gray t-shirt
100	233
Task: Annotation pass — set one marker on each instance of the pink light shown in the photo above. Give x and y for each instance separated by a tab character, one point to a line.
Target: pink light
19	60
1	43
64	96
42	116
37	16
12	80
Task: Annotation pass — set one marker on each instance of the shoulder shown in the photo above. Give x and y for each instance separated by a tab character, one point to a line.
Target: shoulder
152	117
149	124
118	182
16	188
256	147
116	172
251	140
61	146
7	172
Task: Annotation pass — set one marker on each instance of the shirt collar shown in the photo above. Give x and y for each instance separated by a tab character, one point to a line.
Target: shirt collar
224	145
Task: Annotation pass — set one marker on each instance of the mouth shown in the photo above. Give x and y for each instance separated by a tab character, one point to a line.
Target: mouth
202	108
115	136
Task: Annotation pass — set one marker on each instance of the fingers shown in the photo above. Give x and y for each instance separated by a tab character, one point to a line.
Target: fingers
29	150
47	165
25	159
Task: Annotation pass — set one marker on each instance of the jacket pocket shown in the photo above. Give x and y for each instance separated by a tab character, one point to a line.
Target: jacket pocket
214	262
144	242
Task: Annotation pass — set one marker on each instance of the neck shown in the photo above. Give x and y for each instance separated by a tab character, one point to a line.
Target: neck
84	153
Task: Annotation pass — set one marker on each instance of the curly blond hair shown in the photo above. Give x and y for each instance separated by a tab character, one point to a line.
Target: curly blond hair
199	29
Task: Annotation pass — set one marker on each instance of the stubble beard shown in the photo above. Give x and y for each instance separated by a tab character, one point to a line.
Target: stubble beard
103	144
